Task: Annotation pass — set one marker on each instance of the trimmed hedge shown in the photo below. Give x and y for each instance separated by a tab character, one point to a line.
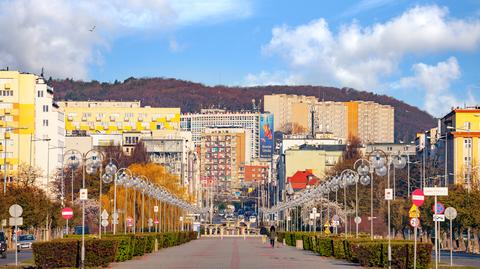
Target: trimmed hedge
101	252
363	250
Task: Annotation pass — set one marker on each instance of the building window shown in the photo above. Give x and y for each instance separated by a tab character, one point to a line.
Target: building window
45	123
40	93
45	108
467	125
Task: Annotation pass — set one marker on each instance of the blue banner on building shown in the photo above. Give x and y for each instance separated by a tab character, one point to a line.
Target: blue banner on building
266	136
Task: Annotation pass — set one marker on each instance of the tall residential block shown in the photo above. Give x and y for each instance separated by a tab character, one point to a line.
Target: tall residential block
31	126
369	121
197	123
224	151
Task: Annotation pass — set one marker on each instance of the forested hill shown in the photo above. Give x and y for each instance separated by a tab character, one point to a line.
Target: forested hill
192	96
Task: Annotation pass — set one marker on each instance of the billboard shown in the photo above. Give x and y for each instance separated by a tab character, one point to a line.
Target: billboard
266	136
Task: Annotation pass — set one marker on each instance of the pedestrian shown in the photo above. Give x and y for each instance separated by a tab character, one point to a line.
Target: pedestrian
264	233
273	236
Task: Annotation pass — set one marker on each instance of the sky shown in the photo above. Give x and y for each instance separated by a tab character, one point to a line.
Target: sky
425	53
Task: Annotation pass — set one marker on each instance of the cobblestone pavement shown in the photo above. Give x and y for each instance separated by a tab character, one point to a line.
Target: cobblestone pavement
232	253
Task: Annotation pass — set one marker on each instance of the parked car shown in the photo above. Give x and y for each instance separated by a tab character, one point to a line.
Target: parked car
253	219
3	245
78	229
25	241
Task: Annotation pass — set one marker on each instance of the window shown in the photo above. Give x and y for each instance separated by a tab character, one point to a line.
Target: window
45	108
40	93
45	123
467	125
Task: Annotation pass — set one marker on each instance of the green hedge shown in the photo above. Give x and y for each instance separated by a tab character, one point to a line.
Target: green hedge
363	250
100	252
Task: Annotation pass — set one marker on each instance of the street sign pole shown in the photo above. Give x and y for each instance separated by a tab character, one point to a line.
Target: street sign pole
436	235
451	244
451	214
415	248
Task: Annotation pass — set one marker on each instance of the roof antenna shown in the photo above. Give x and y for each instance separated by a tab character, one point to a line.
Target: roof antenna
41	74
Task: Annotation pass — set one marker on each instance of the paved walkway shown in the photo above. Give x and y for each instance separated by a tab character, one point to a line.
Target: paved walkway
232	253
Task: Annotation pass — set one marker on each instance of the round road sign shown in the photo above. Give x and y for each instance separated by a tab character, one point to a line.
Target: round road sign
156	221
104	223
15	210
358	220
414	222
418	197
439	208
450	213
67	213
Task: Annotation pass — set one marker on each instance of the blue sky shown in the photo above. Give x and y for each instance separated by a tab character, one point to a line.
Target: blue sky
423	52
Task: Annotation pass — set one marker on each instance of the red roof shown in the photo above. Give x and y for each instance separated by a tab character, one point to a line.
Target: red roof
301	179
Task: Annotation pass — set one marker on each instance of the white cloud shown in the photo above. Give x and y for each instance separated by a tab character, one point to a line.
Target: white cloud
365	5
267	78
435	80
362	57
55	34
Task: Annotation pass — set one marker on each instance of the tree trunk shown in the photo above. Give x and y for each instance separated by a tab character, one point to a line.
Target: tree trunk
469	242
461	242
475	245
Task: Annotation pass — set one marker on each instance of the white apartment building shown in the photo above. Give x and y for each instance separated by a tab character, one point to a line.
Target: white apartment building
196	123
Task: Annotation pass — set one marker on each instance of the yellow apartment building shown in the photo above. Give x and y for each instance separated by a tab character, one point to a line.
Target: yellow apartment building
462	129
110	117
29	124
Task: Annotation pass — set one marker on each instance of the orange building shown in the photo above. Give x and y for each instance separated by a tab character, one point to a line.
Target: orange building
255	173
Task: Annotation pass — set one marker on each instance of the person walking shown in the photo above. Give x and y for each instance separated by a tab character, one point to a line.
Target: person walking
273	235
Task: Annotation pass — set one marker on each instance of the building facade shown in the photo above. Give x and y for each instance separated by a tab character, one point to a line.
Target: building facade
31	125
109	117
197	123
223	152
319	159
369	121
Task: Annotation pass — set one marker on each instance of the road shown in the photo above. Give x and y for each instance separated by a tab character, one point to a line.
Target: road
233	253
22	256
459	258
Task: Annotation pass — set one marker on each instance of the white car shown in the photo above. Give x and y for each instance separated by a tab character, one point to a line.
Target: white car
253	219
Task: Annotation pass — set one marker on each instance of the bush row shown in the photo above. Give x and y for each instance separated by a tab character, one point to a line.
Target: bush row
362	250
101	252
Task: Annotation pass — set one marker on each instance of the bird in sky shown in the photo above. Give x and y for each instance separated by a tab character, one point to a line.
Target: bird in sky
93	28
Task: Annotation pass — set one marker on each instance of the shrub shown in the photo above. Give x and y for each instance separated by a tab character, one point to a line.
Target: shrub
100	252
139	243
149	243
56	253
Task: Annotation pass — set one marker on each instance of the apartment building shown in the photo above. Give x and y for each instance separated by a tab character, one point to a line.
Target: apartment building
111	117
197	123
224	150
31	125
369	121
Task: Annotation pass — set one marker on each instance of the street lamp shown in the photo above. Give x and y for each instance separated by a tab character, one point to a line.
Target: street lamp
6	136
362	167
92	160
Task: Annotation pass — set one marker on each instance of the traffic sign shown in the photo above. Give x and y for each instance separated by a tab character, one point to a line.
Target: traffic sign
414	212
156	221
83	194
335	223
150	222
115	215
418	197
439	208
358	220
336	218
181	218
15	221
104	223
15	210
438	217
314	210
450	213
129	222
435	191
388	194
327	224
104	214
155	209
414	222
67	213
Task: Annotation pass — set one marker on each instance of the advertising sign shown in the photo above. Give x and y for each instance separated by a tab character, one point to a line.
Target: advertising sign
266	136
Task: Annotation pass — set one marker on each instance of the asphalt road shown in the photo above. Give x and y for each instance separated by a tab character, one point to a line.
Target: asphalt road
22	256
459	258
232	253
